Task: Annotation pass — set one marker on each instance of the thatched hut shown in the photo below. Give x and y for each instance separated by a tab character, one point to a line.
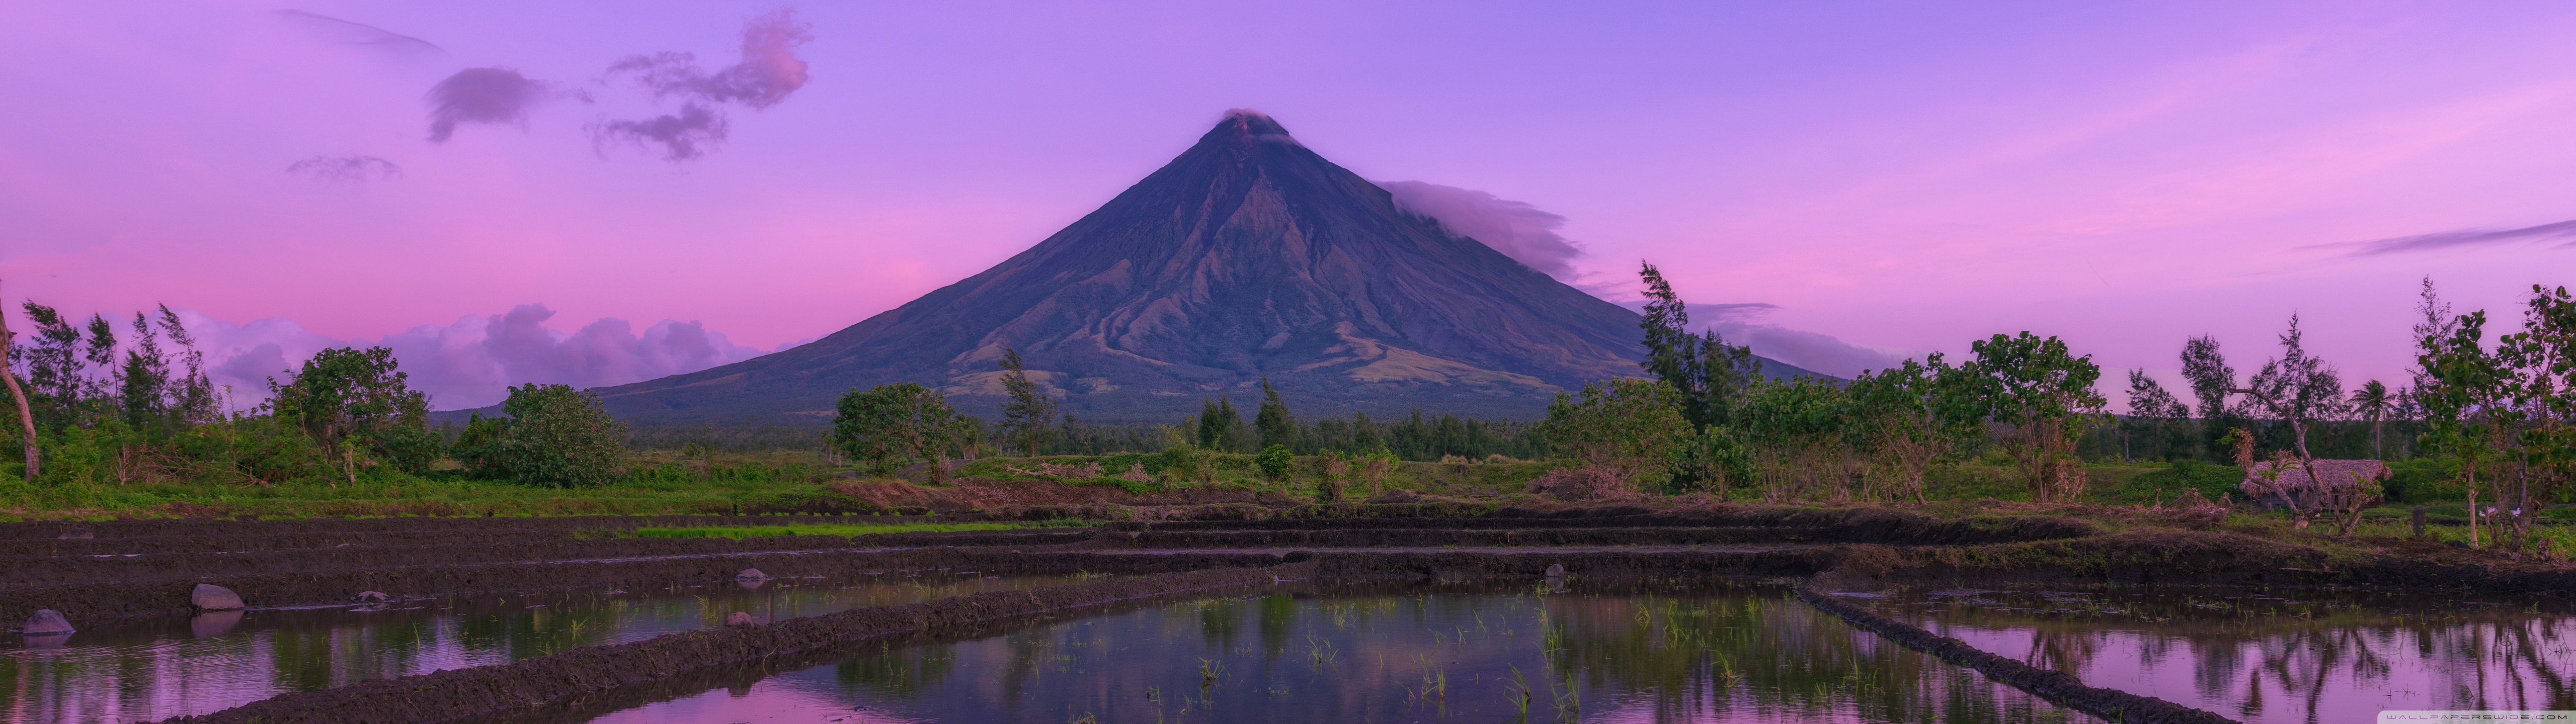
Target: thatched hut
2300	489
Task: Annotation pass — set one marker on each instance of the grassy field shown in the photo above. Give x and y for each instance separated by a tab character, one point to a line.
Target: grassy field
767	531
666	483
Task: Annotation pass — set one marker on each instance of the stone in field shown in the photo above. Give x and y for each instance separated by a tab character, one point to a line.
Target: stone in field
750	574
211	597
46	621
1556	570
740	619
372	597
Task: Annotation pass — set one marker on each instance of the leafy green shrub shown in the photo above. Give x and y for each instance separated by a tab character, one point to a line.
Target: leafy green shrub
1273	462
2424	480
559	437
2212	480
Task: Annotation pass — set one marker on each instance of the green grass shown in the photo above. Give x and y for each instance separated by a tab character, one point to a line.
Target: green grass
764	531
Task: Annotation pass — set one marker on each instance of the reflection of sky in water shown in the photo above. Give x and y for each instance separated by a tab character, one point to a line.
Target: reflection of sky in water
160	668
2275	657
1734	655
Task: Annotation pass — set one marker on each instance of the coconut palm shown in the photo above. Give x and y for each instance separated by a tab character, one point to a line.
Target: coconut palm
2373	401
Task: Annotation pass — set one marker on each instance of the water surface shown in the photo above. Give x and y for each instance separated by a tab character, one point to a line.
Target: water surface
159	668
1448	654
2292	657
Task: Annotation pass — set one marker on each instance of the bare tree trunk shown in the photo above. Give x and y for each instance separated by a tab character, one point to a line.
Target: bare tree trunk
26	415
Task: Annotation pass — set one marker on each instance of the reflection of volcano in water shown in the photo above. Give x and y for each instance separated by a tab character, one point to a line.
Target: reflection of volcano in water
1460	653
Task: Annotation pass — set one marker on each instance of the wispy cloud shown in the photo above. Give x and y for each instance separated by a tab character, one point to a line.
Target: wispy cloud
684	136
343	32
345	168
768	73
2564	231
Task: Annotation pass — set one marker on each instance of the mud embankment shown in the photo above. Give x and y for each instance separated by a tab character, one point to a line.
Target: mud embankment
485	691
57	570
1841	526
208	527
85	603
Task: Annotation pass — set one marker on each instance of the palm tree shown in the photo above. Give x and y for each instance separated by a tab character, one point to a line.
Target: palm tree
2372	401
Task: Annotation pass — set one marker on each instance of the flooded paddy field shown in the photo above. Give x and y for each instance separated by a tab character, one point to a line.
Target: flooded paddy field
1469	651
2275	655
1339	612
153	669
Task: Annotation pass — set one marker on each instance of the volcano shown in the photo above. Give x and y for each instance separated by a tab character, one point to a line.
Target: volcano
1248	257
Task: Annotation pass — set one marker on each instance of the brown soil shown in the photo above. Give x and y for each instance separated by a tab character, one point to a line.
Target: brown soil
980	493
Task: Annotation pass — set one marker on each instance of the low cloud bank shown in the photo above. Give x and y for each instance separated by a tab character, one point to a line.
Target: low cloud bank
472	362
1520	230
1820	353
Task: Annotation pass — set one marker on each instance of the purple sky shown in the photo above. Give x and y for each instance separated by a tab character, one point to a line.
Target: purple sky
1905	177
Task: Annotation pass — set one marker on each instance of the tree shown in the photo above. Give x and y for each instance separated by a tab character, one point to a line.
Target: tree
144	378
1220	428
2540	389
1028	419
53	365
1629	427
2463	397
1914	413
1273	422
2211	378
559	437
2163	413
892	423
26	413
2373	401
349	400
1709	377
2042	396
2297	388
192	399
1273	461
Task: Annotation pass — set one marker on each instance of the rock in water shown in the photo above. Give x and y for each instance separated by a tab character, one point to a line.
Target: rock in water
211	597
740	619
46	621
750	574
213	623
1556	570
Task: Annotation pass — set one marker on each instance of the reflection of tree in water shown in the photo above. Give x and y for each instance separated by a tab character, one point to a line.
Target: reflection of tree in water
1748	654
2251	651
902	674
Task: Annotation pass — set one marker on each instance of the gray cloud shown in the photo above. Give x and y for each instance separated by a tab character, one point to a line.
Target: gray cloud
342	32
2465	238
767	74
481	94
683	137
345	168
1517	229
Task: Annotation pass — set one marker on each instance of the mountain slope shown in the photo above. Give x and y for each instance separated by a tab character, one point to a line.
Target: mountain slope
1247	256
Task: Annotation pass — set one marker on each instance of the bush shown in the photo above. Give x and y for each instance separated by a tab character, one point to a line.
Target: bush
1273	462
2212	480
559	437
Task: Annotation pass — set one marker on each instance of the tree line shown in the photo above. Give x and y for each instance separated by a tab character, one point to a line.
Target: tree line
107	401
